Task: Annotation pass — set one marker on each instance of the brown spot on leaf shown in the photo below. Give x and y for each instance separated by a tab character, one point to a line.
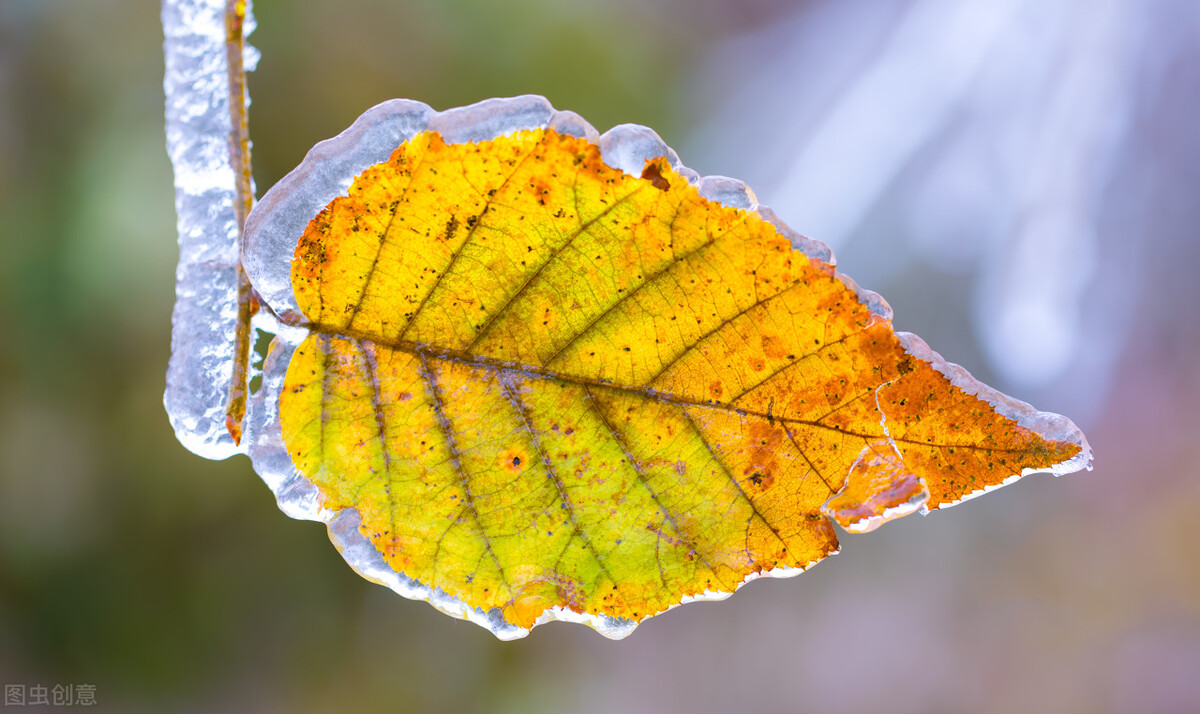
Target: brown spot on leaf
653	174
763	443
513	460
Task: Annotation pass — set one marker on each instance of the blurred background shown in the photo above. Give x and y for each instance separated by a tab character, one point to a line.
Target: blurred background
1020	179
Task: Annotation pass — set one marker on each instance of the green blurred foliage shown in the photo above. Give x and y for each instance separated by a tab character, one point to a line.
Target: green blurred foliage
324	63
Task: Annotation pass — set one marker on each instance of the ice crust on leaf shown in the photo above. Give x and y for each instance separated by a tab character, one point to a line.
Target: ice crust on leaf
331	166
205	315
1050	425
280	218
327	170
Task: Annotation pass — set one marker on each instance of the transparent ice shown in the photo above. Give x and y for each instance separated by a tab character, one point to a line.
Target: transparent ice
327	172
204	319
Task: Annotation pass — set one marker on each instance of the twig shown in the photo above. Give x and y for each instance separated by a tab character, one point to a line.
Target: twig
239	156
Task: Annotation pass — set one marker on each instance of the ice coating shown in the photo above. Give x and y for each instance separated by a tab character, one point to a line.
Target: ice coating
328	169
198	124
280	217
298	498
278	221
1049	425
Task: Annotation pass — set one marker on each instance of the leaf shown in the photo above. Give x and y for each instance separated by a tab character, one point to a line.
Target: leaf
553	389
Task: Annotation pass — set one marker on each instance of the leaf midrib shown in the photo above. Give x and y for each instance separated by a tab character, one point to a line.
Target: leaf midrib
423	350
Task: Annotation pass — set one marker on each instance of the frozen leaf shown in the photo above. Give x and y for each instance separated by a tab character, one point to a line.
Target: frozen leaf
531	373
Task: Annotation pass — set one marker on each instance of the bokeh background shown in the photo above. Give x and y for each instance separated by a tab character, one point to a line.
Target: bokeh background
1020	179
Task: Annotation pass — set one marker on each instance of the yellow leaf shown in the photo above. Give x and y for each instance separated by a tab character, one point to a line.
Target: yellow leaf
549	387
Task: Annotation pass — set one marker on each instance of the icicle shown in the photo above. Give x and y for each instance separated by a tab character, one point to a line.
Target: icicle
205	316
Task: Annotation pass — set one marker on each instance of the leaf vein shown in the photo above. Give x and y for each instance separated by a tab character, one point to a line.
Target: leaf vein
515	399
439	407
638	469
741	491
583	228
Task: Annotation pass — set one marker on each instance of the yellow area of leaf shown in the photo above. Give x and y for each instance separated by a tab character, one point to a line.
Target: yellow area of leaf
543	382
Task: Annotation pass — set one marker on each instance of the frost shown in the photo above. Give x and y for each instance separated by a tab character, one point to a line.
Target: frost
205	315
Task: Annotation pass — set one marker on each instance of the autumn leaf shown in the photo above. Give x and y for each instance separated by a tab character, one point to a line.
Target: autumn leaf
553	389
